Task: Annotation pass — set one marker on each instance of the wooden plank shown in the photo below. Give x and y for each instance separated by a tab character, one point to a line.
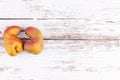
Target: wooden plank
94	9
64	59
68	29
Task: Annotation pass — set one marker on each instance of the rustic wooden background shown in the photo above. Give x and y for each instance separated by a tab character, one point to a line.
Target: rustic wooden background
82	39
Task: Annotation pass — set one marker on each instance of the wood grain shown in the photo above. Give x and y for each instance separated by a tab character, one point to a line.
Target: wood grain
81	39
62	58
95	9
68	29
69	20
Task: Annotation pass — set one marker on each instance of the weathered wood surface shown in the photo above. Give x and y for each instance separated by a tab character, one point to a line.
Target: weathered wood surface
95	9
68	29
64	19
64	59
81	39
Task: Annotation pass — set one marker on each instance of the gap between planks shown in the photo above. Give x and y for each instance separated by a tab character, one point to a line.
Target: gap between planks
1	38
41	18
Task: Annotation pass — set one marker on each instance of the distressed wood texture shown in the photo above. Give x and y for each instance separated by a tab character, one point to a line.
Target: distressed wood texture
68	29
64	59
95	9
64	19
81	39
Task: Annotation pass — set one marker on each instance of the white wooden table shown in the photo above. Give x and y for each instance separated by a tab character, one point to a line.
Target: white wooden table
82	39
